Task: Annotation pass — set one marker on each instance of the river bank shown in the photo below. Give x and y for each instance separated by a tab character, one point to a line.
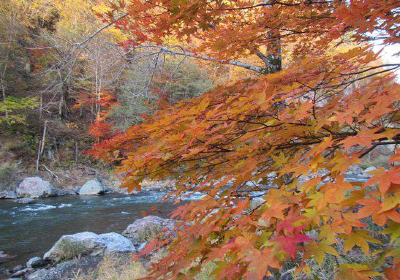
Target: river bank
30	230
27	231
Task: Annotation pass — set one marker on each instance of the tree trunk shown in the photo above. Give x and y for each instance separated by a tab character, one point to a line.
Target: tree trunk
272	60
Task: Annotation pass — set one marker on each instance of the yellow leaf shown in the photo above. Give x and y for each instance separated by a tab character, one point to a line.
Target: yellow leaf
359	238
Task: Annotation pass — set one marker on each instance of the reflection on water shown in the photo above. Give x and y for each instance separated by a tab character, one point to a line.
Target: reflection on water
31	230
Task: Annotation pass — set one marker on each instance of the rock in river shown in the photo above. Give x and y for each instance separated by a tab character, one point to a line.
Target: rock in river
8	195
143	230
4	257
35	262
35	187
92	187
88	244
26	200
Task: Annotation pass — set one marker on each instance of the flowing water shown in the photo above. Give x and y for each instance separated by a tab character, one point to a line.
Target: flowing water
31	230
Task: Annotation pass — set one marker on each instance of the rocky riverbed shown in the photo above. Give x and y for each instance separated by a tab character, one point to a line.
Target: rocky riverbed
36	215
30	230
83	251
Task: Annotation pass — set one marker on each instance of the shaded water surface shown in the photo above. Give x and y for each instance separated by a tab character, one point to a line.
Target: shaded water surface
31	230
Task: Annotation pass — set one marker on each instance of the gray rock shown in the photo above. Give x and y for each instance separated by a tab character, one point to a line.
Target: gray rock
35	187
22	272
8	195
25	200
88	243
18	268
66	270
62	192
5	257
92	187
355	169
143	230
35	262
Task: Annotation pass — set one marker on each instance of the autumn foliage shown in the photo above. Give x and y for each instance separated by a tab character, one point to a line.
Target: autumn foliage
286	137
101	105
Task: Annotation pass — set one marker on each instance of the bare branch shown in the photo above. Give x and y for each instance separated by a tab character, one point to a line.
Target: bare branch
236	63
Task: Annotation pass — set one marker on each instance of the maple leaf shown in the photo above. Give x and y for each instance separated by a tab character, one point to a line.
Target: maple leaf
359	238
357	272
364	137
384	178
318	250
393	229
270	131
378	210
289	242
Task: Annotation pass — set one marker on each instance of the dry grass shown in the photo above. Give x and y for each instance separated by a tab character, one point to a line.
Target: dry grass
114	268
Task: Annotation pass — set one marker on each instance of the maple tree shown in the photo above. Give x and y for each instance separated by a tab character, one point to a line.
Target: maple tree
286	136
101	104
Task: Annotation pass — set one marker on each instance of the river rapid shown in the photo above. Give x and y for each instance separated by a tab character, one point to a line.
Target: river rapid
27	231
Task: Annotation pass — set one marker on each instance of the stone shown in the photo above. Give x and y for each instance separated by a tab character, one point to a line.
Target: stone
35	262
35	187
18	268
26	200
22	272
92	187
143	230
64	192
5	257
355	169
8	194
88	244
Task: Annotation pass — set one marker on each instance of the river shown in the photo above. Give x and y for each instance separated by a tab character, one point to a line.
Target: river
31	230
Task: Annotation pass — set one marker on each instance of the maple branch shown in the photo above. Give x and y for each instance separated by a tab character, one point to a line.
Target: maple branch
236	63
395	65
268	3
395	142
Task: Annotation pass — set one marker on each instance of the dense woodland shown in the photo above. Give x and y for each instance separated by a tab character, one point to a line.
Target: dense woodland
66	85
264	107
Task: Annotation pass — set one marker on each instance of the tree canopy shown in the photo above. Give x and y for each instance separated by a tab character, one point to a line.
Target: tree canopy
321	100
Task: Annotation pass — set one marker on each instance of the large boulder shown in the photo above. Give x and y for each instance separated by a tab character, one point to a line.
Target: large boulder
143	230
35	187
92	187
88	244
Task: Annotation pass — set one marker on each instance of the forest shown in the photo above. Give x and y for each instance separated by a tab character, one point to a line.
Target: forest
206	139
